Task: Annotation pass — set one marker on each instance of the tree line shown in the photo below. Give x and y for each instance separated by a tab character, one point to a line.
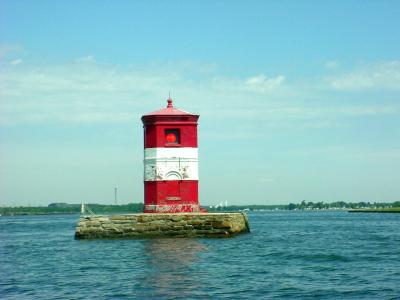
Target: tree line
310	205
65	208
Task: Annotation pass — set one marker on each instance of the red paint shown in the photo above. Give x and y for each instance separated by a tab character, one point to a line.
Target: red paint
171	192
155	137
170	127
169	111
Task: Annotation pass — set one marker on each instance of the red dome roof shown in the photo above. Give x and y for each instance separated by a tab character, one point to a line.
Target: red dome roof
170	110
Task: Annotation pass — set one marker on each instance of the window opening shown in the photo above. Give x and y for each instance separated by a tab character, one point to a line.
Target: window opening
172	136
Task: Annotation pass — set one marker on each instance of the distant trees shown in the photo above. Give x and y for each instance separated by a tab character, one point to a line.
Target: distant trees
396	204
303	205
64	208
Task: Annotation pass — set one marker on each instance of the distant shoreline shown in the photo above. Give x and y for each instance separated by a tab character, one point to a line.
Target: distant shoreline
376	210
66	208
17	214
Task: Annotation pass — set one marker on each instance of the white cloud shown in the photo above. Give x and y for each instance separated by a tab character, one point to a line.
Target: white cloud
258	84
266	180
385	75
8	50
86	59
350	152
83	92
332	64
368	110
99	93
16	62
263	84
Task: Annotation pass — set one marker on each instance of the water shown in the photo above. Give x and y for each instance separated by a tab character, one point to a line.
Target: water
304	255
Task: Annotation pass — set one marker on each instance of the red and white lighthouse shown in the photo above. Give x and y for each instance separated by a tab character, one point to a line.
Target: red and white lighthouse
170	161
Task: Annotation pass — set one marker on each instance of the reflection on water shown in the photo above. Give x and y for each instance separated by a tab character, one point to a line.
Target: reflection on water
169	263
172	253
288	255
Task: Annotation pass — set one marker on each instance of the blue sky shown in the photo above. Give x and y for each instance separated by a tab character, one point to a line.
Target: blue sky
298	100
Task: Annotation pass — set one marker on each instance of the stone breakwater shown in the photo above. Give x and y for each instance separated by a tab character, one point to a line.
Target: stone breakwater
162	225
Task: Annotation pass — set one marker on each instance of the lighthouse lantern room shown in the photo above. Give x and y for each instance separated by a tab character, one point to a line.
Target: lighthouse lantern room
170	161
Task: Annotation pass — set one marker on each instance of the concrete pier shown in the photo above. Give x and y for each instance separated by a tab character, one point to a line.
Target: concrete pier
162	225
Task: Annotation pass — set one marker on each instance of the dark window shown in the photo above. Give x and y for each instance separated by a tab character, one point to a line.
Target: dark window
172	136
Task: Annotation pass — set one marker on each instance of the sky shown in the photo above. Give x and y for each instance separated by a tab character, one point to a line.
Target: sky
298	100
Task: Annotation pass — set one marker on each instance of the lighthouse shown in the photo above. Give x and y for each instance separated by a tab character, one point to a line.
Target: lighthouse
170	187
170	161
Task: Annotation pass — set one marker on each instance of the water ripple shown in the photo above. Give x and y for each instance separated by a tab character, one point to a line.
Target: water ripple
296	255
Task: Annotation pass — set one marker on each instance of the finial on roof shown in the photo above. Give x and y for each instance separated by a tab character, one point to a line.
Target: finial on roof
169	101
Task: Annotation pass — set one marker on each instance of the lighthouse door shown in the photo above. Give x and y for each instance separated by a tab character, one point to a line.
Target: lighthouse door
173	186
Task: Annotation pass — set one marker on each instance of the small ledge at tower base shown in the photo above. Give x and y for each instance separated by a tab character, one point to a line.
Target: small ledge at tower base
148	225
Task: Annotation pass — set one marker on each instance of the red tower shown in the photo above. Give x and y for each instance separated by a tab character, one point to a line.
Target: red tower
170	161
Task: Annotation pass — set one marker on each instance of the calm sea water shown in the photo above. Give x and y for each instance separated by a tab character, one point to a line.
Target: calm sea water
304	255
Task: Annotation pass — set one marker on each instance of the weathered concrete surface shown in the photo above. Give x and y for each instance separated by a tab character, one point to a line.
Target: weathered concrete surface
162	225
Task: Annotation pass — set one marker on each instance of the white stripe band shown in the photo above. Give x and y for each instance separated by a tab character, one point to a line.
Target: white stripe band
170	164
170	152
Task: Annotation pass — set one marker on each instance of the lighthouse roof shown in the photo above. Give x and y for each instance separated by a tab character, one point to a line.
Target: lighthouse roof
170	110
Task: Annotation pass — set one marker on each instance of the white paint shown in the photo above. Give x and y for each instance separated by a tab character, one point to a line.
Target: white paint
170	164
173	175
184	152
